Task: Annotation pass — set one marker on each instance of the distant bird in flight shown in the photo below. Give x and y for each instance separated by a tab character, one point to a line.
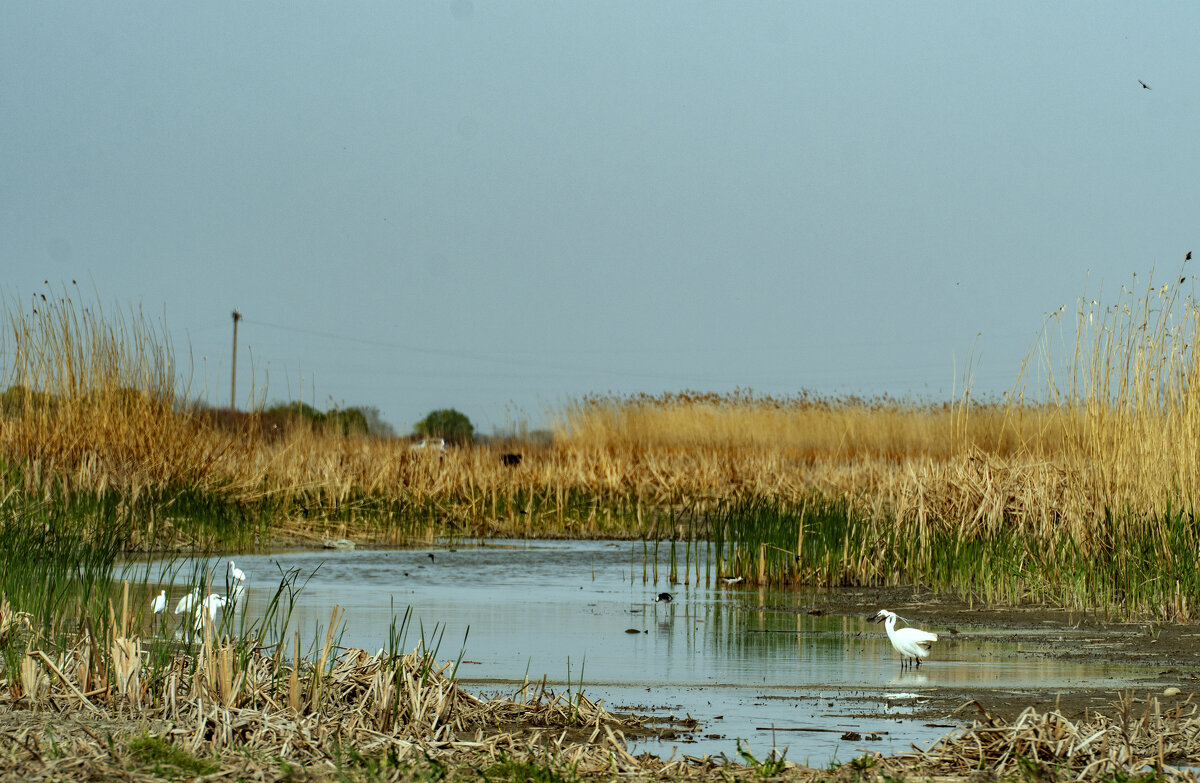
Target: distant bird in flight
1144	85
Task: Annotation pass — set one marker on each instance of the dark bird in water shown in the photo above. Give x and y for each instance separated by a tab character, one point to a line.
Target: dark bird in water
1188	257
430	556
665	597
1144	85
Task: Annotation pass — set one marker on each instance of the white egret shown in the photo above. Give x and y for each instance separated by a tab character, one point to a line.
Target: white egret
236	573
213	606
237	593
188	601
160	602
911	643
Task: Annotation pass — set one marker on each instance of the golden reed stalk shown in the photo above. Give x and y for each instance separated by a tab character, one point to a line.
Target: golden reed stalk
93	403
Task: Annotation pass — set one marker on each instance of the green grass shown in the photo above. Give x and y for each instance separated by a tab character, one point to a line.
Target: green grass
1129	564
507	770
167	760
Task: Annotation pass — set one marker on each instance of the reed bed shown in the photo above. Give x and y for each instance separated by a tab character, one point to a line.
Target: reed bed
1081	494
1140	735
230	699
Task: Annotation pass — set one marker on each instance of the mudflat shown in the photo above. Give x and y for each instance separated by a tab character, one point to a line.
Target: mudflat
1170	652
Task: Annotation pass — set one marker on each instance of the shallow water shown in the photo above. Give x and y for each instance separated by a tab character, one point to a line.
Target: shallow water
773	677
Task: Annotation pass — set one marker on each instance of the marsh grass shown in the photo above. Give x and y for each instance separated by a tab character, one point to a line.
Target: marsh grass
510	770
227	694
167	760
1145	567
1124	742
1078	488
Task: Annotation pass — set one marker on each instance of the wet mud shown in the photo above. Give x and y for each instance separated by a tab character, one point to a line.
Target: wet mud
1170	651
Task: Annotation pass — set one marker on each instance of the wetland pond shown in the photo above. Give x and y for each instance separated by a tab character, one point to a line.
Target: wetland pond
768	667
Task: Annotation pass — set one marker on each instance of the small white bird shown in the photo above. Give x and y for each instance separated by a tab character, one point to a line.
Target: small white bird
911	643
213	606
160	602
237	593
187	602
236	573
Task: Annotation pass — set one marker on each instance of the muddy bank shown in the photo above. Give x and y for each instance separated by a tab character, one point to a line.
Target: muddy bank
1171	651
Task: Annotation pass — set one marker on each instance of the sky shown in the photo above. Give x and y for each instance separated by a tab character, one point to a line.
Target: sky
501	207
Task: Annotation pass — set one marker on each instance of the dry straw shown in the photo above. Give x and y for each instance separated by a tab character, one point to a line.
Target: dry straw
1106	424
1139	735
232	700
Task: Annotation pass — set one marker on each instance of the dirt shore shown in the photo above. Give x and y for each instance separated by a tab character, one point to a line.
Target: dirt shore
48	744
1170	652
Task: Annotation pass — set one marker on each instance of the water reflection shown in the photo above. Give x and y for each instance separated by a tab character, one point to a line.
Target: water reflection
563	609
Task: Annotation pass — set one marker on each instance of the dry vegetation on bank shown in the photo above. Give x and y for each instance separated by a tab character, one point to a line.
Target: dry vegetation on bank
130	704
1106	463
1082	499
93	403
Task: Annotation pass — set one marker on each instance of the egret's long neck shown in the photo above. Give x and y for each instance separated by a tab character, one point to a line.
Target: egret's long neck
891	628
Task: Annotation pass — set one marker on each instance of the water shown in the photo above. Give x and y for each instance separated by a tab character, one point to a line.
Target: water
772	677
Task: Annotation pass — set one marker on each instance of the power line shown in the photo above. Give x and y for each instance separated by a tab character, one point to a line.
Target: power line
510	360
818	376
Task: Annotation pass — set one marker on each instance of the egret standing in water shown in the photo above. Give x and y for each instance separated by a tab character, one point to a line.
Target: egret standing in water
237	592
160	602
212	606
911	643
188	601
237	584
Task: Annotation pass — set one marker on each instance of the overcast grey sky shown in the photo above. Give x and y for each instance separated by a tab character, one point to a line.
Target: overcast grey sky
498	206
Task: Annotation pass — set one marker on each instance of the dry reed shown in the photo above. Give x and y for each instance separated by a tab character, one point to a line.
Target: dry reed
1041	745
93	410
233	699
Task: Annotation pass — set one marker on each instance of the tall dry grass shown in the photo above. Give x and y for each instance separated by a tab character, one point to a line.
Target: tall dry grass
1106	419
1105	415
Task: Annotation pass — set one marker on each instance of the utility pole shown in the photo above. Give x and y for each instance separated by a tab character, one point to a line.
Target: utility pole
233	375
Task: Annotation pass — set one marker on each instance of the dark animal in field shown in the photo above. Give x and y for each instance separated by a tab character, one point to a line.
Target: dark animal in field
510	460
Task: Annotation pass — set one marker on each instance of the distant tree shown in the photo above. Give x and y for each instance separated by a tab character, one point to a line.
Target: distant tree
349	421
375	423
447	423
296	410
